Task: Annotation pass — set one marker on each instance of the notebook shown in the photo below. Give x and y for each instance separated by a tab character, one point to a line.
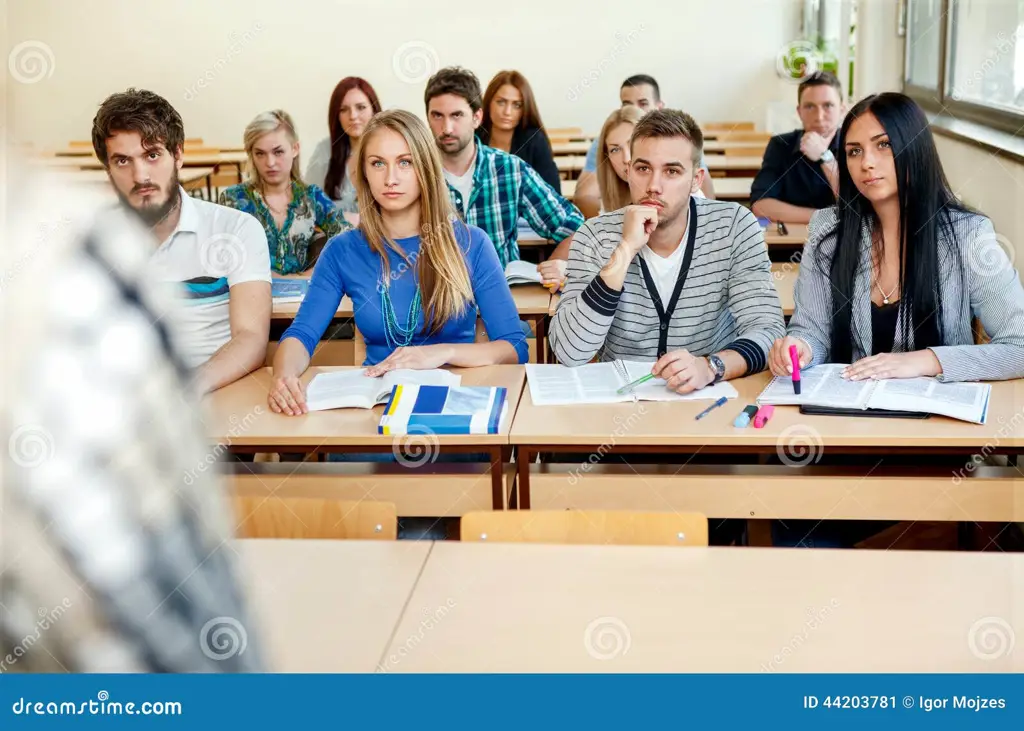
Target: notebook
522	272
597	383
824	385
419	409
289	290
350	389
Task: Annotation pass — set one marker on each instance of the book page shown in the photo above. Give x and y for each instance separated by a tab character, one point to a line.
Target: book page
657	388
521	272
341	389
410	377
966	401
552	385
822	385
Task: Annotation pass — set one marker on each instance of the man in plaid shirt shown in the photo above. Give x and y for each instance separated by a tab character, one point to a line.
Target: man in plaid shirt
490	188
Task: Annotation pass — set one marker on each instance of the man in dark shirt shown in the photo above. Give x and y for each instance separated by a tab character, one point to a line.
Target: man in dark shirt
800	173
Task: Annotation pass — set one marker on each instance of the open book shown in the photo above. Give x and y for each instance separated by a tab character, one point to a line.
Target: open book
597	383
522	272
351	389
824	385
288	290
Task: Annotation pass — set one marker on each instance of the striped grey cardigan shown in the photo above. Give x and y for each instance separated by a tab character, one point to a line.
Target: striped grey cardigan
726	299
977	279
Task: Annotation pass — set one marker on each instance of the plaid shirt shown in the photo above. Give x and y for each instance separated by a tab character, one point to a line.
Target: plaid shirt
506	188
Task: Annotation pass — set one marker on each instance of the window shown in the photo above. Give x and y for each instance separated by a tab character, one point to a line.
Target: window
966	58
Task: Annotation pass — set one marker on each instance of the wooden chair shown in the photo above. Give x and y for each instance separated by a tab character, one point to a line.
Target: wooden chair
262	514
563	134
593	527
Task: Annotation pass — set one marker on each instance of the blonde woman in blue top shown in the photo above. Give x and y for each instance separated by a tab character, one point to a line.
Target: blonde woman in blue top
298	218
416	274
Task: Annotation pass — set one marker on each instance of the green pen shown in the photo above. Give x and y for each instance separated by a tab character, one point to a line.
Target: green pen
634	384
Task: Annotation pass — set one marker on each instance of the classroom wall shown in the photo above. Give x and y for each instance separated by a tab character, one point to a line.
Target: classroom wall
222	62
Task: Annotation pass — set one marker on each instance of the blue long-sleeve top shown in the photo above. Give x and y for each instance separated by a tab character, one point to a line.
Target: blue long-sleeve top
348	266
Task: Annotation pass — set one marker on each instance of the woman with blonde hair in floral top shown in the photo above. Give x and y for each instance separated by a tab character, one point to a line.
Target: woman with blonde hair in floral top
298	218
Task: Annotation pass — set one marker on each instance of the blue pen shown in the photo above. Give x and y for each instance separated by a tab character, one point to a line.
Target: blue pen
720	402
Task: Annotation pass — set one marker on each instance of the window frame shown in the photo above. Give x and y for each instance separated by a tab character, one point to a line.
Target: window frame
938	101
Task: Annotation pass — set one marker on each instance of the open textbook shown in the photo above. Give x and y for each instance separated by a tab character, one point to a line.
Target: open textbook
522	272
350	389
597	383
824	385
288	290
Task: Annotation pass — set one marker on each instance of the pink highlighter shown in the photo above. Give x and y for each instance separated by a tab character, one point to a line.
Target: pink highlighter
763	415
796	368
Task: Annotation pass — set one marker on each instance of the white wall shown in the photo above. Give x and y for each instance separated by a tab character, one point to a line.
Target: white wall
715	59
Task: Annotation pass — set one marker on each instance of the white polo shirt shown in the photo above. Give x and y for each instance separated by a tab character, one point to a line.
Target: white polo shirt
212	249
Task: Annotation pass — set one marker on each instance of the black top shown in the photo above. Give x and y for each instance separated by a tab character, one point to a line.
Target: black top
883	327
531	144
787	175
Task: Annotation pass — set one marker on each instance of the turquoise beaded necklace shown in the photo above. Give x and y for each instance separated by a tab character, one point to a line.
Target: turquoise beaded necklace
395	335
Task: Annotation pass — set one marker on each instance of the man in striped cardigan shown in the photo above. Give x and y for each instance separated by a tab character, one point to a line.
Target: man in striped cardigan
681	280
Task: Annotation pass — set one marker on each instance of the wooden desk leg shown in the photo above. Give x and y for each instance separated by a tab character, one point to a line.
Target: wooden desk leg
524	455
540	332
498	455
209	188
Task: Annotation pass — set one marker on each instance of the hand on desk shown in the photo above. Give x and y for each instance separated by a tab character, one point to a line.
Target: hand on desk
287	396
418	357
778	357
552	273
894	365
684	372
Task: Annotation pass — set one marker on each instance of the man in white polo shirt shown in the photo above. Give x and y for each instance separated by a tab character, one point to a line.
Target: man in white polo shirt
218	255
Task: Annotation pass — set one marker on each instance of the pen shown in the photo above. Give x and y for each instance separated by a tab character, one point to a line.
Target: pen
705	412
634	384
782	229
743	420
795	359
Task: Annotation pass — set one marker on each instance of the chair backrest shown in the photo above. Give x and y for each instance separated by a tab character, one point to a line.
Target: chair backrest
598	527
276	516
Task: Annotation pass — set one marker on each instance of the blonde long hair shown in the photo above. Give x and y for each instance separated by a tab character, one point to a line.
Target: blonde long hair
440	265
263	124
614	190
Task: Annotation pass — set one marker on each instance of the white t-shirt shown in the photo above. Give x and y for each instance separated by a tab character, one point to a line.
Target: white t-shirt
665	269
462	183
212	249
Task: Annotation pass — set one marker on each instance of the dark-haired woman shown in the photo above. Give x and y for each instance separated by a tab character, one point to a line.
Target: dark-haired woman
892	276
512	123
353	102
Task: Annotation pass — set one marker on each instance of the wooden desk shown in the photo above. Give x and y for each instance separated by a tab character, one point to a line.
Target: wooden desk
578	147
216	159
568	189
796	235
238	417
784	278
569	164
570	609
671	428
533	302
352	592
288	310
190	178
732	189
732	163
718	147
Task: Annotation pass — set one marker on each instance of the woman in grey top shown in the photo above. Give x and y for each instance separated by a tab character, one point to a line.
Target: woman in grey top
892	276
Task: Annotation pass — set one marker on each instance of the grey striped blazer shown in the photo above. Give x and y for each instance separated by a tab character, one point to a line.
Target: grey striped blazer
727	301
978	279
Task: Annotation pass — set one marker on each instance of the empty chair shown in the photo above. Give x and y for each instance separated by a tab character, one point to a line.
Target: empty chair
597	527
276	516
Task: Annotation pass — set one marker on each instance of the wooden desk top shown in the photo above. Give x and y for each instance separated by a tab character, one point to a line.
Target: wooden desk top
712	147
732	188
571	163
796	233
540	608
352	592
568	189
90	162
230	414
647	423
578	147
288	310
784	277
732	162
531	299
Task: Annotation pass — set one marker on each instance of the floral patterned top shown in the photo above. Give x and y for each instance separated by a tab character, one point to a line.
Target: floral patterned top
312	218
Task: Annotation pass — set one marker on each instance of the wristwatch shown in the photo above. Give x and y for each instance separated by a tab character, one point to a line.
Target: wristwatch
717	366
827	157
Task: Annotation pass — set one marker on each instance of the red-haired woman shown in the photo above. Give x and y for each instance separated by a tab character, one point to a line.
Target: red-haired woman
512	123
352	104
